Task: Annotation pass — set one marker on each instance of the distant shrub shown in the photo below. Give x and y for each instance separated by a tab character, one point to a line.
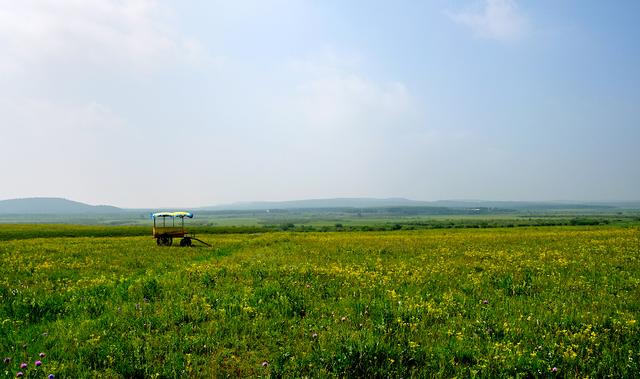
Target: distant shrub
584	221
287	226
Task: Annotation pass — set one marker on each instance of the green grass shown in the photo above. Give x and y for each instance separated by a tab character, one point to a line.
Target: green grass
30	231
326	220
454	302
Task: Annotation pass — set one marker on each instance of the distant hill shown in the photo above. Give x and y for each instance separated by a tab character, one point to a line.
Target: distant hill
60	206
524	205
402	202
52	205
322	203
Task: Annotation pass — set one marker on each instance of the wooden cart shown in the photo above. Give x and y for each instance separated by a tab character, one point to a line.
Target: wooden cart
165	228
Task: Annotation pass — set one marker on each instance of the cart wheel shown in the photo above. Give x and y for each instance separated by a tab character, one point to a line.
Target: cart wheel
185	242
165	241
159	241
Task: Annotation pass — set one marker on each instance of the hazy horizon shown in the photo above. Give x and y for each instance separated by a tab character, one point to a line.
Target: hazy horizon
385	202
145	104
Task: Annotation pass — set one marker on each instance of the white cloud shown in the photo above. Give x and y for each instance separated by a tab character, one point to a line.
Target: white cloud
322	119
496	19
75	150
340	121
351	101
42	121
132	34
331	92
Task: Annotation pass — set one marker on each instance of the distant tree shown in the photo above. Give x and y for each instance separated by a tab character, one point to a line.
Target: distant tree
287	226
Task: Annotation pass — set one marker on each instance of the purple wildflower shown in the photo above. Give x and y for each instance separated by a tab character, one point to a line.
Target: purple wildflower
555	369
314	335
38	363
23	365
7	360
19	374
51	376
485	302
265	364
42	355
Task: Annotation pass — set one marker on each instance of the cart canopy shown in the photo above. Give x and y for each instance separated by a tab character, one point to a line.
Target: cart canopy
172	214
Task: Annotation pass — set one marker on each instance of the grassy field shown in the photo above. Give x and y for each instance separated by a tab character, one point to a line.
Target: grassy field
529	302
344	219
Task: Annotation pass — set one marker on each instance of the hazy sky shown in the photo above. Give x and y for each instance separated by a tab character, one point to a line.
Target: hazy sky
180	103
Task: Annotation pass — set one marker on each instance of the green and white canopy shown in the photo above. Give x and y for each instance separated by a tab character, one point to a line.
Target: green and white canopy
172	214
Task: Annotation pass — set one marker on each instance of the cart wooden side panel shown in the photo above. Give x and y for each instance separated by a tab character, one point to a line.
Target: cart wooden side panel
171	231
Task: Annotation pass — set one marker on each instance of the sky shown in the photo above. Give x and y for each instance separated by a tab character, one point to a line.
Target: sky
145	103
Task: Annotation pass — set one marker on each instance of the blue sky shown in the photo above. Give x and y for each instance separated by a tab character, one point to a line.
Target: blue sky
177	103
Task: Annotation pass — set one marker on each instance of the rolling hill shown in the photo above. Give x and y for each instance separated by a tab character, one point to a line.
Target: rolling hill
321	204
52	205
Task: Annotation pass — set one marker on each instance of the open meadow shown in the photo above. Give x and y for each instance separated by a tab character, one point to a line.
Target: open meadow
528	302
